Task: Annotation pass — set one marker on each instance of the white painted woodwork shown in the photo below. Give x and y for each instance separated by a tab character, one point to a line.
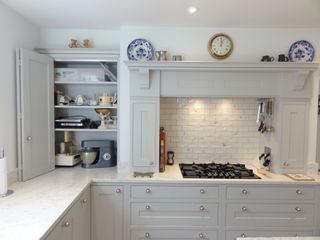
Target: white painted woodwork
294	118
145	84
82	217
286	82
81	54
183	193
145	132
173	234
63	230
233	235
270	193
107	212
271	214
75	224
35	114
174	214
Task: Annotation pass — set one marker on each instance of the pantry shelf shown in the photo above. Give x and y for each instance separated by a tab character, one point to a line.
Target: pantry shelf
85	130
84	107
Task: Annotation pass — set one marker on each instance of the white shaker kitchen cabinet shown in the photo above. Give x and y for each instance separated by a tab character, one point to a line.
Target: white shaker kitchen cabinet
82	217
35	122
107	204
76	223
145	134
64	229
174	234
293	136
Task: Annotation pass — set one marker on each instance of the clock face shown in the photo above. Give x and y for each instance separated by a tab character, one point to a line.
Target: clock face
220	46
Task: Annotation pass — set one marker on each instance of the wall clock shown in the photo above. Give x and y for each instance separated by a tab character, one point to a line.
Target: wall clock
220	46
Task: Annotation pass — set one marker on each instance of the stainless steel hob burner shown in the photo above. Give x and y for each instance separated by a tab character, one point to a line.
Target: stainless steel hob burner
216	170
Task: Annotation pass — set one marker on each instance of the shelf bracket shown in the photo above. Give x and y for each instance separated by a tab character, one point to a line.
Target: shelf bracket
144	78
300	80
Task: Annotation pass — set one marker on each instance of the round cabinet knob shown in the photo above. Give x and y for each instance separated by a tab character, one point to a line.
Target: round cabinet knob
84	201
66	224
243	235
202	191
147	235
29	138
201	235
285	164
244	209
202	208
298	209
148	190
118	190
151	163
148	207
244	191
299	192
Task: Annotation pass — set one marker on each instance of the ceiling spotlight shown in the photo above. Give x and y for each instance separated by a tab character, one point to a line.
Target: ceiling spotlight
192	10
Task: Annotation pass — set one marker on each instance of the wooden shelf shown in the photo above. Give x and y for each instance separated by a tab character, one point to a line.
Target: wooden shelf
84	107
86	83
85	130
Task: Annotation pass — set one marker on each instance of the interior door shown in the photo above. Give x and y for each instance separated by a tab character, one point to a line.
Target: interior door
35	114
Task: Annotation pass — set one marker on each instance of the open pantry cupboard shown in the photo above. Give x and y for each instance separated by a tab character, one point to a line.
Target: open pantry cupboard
88	74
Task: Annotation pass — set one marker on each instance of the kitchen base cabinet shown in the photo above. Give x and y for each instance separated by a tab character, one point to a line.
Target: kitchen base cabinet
173	234
107	213
75	225
233	235
271	214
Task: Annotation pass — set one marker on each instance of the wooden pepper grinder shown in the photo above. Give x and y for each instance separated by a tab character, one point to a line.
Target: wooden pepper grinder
162	158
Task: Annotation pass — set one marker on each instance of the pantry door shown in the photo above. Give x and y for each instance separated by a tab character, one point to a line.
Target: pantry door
35	102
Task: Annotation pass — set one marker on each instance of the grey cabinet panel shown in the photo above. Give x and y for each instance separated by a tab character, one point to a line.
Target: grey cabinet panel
294	136
233	235
107	213
35	114
173	235
270	193
185	193
145	135
270	215
82	217
75	225
174	214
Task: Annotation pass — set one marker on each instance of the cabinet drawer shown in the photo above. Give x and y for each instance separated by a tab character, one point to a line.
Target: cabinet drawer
270	215
162	192
233	235
174	234
174	214
270	193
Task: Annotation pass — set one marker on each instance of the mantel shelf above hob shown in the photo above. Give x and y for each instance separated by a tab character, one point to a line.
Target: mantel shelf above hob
216	66
226	72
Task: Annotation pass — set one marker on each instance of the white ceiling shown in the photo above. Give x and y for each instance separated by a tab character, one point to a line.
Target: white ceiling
212	13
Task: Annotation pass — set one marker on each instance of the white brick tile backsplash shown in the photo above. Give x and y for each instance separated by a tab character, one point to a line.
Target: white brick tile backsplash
211	129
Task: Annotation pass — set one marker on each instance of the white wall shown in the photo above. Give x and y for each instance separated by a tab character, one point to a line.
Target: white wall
191	43
15	32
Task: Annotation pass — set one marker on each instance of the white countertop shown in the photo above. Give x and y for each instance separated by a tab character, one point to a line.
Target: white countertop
38	204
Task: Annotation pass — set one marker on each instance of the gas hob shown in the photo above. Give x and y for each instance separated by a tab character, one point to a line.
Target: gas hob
216	170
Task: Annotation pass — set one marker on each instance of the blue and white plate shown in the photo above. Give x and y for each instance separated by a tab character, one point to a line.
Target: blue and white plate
301	51
140	50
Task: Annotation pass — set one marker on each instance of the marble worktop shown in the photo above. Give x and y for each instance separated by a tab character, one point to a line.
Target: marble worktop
38	204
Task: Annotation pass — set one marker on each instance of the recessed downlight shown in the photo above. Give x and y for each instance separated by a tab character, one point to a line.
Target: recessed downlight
192	10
